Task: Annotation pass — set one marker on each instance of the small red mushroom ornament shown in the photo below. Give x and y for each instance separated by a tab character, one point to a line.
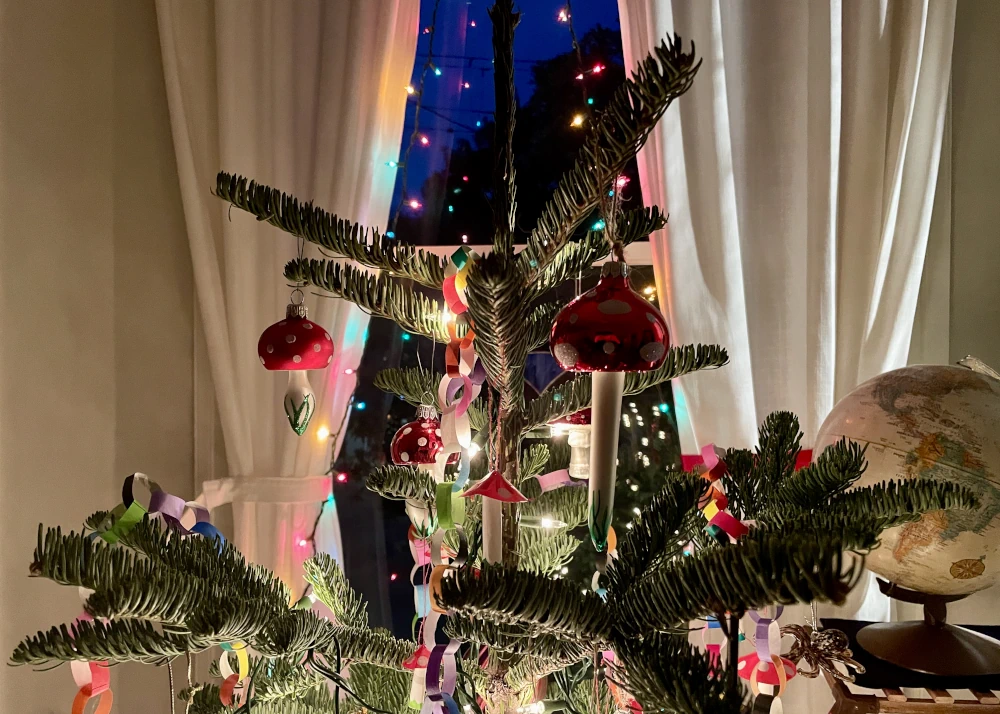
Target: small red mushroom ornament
608	331
295	345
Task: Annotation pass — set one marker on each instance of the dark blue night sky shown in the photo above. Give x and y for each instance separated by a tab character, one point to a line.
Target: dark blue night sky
464	52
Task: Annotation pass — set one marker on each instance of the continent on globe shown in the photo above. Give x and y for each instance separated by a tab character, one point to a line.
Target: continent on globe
936	422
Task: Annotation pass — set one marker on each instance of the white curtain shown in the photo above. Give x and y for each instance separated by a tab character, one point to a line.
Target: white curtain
800	174
306	96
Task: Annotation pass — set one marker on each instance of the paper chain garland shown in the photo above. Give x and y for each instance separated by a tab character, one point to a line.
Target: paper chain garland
93	678
720	522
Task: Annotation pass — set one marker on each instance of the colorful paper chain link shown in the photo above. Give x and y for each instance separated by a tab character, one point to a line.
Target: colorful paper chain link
715	502
463	371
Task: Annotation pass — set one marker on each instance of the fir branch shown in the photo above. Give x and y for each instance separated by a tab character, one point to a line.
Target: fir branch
539	325
332	589
507	595
401	483
380	295
667	673
504	21
836	469
533	461
114	641
334	234
516	639
614	139
574	395
387	689
874	508
545	550
763	568
576	257
568	505
295	632
658	525
377	647
420	386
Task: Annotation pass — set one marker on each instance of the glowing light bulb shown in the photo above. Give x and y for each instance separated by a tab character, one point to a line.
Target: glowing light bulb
546	522
323	433
390	234
636	511
474	449
303	542
648	290
577	120
393	576
410	89
407	336
564	570
451	209
465	179
563	16
414	204
598	68
579	76
465	85
599	225
348	371
622	181
424	140
590	100
465	238
392	164
472	23
437	71
342	477
360	406
478	123
634	487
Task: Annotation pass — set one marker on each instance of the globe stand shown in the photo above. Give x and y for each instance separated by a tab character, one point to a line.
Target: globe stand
931	646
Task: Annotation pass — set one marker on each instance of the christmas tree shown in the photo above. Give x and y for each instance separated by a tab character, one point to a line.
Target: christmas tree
521	633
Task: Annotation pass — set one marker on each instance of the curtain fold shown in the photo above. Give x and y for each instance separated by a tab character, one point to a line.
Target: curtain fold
304	95
800	174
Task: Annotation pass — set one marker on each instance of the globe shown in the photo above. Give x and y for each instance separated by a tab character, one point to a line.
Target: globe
930	422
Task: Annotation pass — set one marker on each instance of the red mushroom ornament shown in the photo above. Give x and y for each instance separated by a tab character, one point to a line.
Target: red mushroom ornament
295	345
609	330
418	443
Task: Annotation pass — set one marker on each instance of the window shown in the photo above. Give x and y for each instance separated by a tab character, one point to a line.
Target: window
443	200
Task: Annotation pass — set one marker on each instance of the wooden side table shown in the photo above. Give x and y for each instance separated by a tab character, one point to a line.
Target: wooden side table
937	701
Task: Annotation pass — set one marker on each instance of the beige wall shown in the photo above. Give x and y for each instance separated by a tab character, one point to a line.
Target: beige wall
96	303
975	221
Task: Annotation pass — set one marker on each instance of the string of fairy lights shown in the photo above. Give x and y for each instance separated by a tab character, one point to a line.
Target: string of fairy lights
439	66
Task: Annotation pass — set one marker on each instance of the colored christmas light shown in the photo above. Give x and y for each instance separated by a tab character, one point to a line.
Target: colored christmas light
323	433
342	477
410	89
390	234
563	16
414	204
424	140
360	406
577	120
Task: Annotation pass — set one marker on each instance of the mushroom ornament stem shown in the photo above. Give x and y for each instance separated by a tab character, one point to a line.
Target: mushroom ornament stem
299	401
609	330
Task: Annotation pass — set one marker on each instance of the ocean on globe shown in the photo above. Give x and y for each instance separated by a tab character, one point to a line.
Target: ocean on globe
930	422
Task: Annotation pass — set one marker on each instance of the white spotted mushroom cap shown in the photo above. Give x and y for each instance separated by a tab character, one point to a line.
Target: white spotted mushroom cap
610	328
295	343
